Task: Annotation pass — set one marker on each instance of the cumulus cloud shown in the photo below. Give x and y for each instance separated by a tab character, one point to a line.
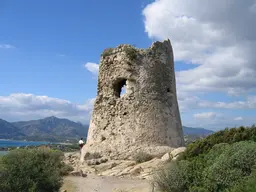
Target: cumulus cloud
250	103
217	39
6	46
205	115
92	67
218	35
238	118
21	106
187	102
216	121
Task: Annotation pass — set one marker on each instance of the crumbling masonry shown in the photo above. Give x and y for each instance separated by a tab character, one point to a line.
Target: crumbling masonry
147	116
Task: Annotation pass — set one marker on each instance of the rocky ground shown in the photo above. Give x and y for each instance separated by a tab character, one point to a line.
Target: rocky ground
102	174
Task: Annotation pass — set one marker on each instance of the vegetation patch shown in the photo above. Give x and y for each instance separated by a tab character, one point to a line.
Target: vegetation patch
131	52
33	170
141	157
224	136
212	165
107	52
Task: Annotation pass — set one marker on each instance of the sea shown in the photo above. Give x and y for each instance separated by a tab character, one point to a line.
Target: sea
12	143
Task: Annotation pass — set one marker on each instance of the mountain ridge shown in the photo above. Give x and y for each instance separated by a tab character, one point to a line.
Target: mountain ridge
196	131
8	130
60	129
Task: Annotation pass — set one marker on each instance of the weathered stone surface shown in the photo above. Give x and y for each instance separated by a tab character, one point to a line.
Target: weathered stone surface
105	166
96	161
177	151
147	115
78	173
118	168
166	157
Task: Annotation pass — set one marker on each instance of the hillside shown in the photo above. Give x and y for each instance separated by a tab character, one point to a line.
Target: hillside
8	131
52	128
196	131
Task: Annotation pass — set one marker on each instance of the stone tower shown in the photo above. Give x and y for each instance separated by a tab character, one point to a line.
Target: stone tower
147	116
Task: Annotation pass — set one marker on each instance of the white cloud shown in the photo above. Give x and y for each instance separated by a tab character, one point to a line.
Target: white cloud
238	118
21	106
187	102
219	35
216	121
205	115
250	103
6	46
92	67
220	38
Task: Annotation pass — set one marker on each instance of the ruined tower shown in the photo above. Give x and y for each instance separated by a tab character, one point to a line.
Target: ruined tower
146	116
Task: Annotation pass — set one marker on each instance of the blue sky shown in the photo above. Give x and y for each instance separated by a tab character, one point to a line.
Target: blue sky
44	31
45	45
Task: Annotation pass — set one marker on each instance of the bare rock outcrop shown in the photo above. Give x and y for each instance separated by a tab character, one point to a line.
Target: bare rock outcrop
145	118
121	168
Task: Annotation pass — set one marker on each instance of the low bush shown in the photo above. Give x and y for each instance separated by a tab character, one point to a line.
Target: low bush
141	157
246	185
172	177
225	136
32	170
220	169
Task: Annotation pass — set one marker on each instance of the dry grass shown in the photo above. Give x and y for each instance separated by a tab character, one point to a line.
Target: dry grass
141	157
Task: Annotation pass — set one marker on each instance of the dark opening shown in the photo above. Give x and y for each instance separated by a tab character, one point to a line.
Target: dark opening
168	90
103	138
119	87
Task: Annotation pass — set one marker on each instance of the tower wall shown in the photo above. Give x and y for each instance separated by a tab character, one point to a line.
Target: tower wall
147	115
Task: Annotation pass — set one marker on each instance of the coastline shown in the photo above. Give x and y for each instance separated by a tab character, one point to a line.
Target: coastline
7	145
34	141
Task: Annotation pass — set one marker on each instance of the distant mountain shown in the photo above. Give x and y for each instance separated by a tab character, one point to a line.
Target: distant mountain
57	129
196	131
9	131
52	128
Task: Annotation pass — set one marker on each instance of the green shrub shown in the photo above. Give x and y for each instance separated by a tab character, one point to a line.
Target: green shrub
172	177
225	136
107	52
131	52
66	169
220	169
223	161
229	166
141	157
248	184
32	170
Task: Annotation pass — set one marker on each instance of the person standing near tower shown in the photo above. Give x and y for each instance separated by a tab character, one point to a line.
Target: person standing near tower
81	143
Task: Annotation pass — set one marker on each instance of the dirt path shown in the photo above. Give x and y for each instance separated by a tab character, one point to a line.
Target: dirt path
105	184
